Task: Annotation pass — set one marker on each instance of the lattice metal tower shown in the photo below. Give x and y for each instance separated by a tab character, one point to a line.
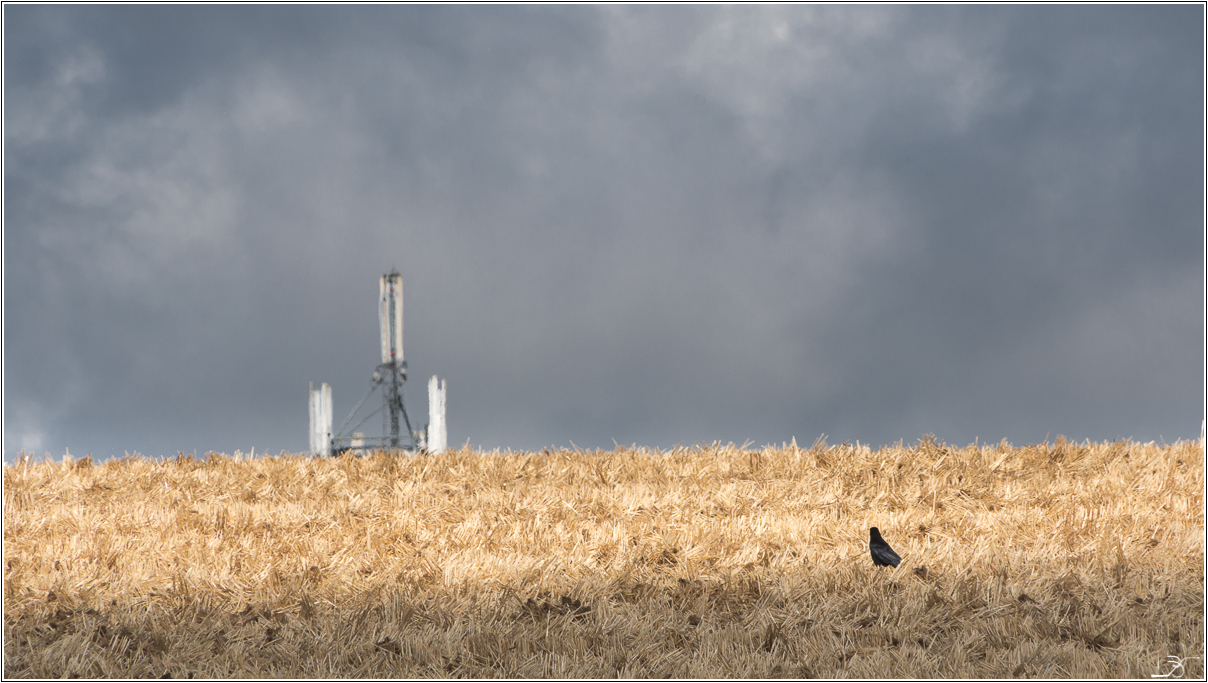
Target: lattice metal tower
389	376
390	318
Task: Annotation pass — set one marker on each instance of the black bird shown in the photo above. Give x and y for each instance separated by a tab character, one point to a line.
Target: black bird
882	554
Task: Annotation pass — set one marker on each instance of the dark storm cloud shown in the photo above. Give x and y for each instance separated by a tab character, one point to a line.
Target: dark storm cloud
647	224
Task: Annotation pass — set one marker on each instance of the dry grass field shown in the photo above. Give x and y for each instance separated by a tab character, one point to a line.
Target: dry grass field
1051	560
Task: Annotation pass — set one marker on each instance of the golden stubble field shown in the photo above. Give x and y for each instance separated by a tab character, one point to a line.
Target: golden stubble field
1050	560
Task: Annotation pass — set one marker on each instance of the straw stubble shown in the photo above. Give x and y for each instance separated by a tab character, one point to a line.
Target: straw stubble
1050	560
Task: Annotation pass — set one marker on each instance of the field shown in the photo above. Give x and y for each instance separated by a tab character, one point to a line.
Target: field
1050	560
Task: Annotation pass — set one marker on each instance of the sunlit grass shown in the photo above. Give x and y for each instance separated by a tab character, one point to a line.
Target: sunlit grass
1050	560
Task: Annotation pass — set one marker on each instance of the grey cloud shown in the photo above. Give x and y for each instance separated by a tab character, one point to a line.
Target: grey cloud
647	224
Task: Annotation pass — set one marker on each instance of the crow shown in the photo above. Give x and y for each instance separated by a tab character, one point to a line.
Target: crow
882	554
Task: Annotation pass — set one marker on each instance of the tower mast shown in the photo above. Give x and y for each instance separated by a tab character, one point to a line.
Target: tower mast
390	319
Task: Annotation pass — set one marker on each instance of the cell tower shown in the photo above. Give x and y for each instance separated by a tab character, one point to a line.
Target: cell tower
389	377
390	319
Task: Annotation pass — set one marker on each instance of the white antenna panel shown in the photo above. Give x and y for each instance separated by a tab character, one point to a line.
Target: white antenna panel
320	419
390	317
438	431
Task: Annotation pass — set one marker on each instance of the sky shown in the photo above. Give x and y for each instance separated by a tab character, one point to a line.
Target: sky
650	225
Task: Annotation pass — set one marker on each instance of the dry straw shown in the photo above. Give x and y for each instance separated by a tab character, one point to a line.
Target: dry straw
1051	560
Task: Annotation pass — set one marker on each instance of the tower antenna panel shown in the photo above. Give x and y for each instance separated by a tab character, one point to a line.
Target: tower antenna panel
320	419
390	317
